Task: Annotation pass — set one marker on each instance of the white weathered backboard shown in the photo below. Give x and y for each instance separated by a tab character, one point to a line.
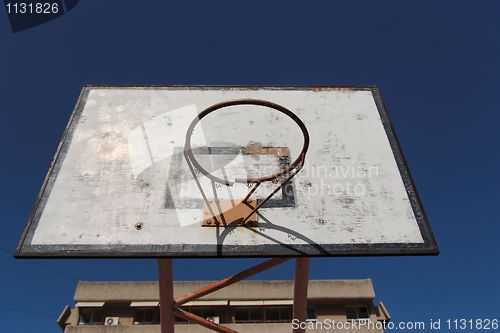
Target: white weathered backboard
120	185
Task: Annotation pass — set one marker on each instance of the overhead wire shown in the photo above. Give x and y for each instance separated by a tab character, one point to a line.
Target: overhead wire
48	267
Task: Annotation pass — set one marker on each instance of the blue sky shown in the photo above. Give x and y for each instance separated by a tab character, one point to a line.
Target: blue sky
437	64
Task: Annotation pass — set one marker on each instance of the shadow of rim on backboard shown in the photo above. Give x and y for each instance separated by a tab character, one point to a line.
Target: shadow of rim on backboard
269	225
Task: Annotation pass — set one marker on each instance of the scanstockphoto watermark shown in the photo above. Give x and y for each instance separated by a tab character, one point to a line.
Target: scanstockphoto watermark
343	171
339	189
331	324
449	324
352	170
339	180
348	179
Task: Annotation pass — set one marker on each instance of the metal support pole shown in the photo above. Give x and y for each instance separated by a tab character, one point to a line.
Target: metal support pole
300	292
170	306
166	295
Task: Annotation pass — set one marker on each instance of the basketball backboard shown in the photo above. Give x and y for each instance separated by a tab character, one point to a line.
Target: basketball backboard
122	185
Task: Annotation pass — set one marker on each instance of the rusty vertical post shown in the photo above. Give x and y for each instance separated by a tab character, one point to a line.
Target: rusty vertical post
166	284
300	292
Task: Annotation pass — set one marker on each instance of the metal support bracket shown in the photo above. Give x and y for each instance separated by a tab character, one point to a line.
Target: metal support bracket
170	307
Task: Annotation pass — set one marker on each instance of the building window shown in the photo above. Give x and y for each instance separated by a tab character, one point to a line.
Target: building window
179	320
202	312
281	314
311	314
91	316
273	314
357	313
286	314
249	315
147	316
255	315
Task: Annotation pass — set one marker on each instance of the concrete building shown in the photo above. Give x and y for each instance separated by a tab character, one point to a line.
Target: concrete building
247	307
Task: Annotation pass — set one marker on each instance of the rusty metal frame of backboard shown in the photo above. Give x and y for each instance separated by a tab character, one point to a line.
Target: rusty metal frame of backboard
27	250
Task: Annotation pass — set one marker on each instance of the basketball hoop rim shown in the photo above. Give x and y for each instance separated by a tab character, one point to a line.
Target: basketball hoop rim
295	165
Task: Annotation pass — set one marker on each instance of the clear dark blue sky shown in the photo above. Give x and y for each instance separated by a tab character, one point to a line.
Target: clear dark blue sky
437	63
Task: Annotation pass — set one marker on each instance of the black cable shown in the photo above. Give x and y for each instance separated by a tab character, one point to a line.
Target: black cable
9	308
55	270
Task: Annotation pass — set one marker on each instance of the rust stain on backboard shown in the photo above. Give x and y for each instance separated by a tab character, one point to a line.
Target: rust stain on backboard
259	149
